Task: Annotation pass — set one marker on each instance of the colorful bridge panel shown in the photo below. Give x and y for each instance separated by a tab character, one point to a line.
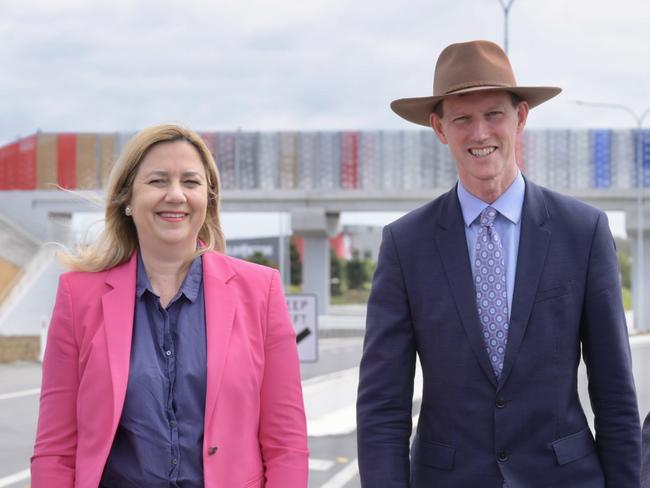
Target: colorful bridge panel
602	158
347	160
18	165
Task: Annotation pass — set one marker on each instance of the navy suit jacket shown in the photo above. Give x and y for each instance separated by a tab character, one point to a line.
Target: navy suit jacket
528	428
645	461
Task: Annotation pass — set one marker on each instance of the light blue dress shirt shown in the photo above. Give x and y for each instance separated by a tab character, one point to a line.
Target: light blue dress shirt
508	225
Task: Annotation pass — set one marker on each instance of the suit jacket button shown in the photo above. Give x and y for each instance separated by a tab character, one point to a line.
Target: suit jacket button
212	450
502	456
501	402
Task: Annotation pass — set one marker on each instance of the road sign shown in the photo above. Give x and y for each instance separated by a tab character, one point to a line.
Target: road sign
304	317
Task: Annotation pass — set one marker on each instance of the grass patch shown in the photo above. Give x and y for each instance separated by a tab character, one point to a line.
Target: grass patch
627	299
350	297
347	297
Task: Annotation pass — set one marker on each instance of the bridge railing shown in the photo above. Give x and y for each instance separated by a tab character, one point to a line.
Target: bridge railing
333	161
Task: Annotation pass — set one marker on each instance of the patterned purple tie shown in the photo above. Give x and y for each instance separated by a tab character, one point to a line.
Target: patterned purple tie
491	290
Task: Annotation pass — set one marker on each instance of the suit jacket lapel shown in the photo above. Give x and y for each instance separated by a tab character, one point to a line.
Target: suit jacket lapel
452	245
220	302
533	246
118	306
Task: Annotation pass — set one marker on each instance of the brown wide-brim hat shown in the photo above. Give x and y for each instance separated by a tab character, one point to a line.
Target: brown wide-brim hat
468	67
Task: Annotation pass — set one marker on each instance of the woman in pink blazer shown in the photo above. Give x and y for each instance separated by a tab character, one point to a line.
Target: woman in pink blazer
167	362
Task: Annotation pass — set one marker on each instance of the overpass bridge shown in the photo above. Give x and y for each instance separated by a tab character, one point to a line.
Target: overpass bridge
316	175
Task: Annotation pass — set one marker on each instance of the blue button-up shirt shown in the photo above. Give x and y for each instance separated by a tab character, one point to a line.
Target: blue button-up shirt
507	223
159	439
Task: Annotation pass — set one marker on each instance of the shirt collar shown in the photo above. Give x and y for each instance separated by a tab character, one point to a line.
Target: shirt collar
509	204
190	286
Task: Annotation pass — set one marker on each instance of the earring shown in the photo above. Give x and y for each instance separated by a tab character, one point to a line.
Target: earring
128	211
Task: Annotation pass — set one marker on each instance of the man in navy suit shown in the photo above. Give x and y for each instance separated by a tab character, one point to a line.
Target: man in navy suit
497	286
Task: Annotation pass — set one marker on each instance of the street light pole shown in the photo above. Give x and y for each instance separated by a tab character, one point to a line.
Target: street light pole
638	321
506	10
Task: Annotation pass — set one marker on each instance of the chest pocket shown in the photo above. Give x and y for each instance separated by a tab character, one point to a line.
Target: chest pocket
555	291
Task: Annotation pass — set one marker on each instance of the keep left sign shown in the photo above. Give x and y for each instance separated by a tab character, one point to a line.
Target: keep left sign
304	317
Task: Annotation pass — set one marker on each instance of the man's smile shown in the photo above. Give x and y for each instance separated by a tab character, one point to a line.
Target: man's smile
483	151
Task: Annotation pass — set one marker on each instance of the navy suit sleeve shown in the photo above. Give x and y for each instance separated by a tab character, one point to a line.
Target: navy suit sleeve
645	461
386	377
606	352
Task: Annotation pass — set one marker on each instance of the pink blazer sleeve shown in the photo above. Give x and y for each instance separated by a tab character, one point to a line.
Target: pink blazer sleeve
53	462
283	430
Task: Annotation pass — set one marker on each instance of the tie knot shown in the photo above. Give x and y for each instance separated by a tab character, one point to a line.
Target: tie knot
487	217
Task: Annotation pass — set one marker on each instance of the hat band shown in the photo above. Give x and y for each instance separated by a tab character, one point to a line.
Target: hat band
476	84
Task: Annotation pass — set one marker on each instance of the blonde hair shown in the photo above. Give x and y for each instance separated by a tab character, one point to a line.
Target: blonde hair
118	240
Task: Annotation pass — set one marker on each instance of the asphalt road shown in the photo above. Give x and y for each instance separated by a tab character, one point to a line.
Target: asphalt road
333	458
19	383
330	393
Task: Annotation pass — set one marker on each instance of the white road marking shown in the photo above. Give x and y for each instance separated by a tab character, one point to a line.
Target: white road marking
640	339
18	394
330	402
14	478
342	421
340	479
343	477
335	376
320	464
346	343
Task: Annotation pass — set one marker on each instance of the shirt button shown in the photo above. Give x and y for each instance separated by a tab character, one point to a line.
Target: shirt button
169	353
174	461
502	456
172	423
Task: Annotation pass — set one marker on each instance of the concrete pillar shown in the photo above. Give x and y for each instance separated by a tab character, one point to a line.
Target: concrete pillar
640	268
59	228
315	270
316	226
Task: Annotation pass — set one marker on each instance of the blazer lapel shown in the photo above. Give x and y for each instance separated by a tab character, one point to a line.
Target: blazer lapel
533	246
118	306
220	302
452	245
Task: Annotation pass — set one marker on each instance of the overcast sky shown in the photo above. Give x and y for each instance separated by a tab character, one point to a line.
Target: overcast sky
83	65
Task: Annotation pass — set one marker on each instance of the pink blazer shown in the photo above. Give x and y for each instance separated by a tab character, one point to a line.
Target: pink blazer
255	431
